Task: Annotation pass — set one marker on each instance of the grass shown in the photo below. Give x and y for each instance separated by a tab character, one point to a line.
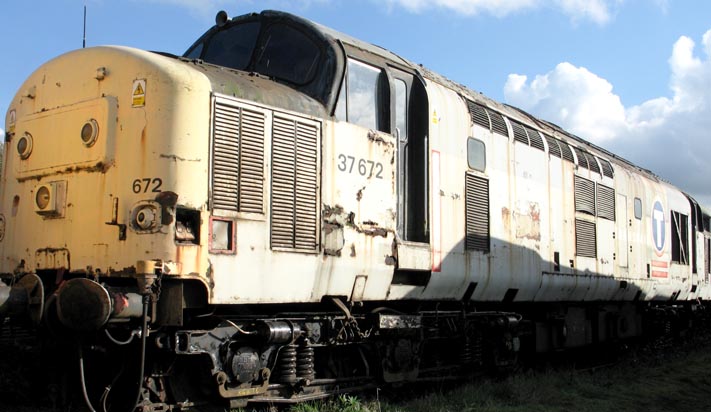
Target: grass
679	383
678	380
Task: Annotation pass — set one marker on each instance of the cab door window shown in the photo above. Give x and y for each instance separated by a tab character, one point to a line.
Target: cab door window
363	98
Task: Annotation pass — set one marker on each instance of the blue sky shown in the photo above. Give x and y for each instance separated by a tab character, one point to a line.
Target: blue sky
633	76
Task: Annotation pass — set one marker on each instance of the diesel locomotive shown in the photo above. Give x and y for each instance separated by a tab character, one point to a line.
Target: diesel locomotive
286	212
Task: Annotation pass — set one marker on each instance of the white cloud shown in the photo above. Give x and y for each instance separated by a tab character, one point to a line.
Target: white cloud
668	135
573	96
597	11
498	8
2	133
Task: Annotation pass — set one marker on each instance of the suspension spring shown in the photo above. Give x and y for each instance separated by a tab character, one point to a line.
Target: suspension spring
305	362
472	350
286	365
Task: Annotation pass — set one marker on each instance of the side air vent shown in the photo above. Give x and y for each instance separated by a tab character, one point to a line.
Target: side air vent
519	133
477	213
606	168
584	195
498	125
585	239
535	138
478	114
553	147
605	202
582	160
565	150
295	178
237	158
592	162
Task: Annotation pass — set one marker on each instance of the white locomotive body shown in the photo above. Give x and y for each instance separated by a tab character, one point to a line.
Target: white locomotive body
285	198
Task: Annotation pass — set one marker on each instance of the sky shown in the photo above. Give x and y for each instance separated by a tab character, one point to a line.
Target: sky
633	76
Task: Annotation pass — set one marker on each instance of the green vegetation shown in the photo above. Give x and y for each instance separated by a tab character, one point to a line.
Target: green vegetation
678	383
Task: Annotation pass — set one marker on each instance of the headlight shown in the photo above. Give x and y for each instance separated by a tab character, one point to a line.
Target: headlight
146	217
43	197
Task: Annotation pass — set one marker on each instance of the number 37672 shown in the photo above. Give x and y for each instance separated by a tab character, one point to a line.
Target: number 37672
364	167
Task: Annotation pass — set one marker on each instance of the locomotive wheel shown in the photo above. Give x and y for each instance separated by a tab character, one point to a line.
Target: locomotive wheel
190	383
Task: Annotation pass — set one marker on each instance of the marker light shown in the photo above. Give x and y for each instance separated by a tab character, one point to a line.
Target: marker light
90	132
24	146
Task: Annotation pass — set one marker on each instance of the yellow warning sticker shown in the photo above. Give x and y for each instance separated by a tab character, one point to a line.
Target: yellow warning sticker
139	93
11	122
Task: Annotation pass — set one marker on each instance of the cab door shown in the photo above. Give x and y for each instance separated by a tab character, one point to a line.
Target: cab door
410	108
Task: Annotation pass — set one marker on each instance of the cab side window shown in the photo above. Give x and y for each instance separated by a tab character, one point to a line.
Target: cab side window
363	100
288	54
232	47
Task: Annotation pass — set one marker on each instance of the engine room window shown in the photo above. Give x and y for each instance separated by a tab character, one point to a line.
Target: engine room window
476	154
288	54
232	47
401	107
638	208
361	100
680	238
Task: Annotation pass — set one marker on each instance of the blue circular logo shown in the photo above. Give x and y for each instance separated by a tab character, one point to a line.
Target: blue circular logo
658	227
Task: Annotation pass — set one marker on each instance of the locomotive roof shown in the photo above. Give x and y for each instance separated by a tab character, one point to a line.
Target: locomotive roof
347	44
509	111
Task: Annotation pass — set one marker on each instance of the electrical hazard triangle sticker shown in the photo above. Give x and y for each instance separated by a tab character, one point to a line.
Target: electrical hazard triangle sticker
139	93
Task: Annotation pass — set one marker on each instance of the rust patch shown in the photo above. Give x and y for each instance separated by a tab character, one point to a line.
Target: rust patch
374	136
370	228
331	252
329	228
167	200
100	167
210	279
177	158
329	211
528	223
379	140
333	222
390	260
353	251
359	195
506	217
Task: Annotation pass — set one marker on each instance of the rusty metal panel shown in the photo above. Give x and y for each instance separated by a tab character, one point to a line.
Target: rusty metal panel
584	195
477	213
295	186
519	133
237	158
535	139
585	238
605	202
